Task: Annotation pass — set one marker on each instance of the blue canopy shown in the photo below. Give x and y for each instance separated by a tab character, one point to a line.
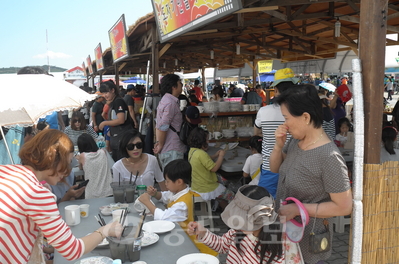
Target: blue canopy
137	80
267	77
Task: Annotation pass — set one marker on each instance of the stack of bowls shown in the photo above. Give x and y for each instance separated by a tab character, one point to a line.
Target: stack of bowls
224	106
235	106
228	133
244	131
210	107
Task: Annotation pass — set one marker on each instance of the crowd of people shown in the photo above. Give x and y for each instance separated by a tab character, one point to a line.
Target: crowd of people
294	153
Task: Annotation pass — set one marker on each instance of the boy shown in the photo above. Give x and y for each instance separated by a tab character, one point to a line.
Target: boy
178	200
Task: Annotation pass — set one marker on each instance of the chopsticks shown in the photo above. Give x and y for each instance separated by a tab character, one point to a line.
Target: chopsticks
140	225
135	179
100	220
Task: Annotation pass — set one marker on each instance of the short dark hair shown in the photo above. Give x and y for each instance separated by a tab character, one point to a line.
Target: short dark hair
42	125
86	143
300	99
178	169
126	138
255	142
197	138
108	86
346	121
218	90
167	82
281	87
196	82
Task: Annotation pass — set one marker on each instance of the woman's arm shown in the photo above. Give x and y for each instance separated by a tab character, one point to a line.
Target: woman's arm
340	205
277	156
333	102
115	122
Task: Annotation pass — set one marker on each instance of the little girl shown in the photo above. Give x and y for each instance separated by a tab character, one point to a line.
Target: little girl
345	136
253	162
254	236
204	179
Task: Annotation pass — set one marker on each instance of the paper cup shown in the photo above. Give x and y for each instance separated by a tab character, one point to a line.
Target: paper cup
84	210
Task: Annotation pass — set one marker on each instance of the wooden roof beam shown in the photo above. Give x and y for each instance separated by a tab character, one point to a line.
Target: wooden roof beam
299	11
327	40
300	2
256	9
357	21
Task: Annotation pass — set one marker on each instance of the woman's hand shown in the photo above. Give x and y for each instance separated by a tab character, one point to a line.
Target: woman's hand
194	228
281	135
101	125
288	212
72	193
113	229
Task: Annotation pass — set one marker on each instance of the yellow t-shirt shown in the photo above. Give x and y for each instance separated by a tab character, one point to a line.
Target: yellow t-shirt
203	180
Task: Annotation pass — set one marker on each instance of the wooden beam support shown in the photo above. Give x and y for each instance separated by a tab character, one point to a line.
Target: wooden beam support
164	49
155	59
372	54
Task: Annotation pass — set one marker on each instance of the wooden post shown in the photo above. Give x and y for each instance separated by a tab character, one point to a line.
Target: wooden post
203	80
155	60
117	76
373	15
254	73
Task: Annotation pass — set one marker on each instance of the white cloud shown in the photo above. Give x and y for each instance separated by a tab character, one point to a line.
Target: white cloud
52	55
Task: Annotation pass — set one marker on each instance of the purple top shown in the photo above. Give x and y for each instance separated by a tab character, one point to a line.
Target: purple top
168	114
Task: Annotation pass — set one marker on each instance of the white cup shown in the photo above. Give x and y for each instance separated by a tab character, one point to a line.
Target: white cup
116	215
210	136
200	108
245	107
217	135
84	210
252	107
72	215
257	107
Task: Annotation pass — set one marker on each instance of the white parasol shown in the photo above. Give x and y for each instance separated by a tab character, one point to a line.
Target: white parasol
328	86
26	98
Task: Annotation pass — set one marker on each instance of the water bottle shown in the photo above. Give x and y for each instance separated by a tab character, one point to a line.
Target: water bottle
100	141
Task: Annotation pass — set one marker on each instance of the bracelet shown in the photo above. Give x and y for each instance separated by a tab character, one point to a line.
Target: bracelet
156	192
101	234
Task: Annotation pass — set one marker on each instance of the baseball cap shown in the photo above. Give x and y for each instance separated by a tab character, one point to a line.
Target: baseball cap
130	87
193	113
284	75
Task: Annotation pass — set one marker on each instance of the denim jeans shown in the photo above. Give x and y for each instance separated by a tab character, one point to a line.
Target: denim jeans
166	157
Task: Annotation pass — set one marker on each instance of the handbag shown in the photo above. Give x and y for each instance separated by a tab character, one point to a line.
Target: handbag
319	243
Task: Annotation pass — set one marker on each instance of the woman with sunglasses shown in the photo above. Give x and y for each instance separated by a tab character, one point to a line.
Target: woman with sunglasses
140	165
78	127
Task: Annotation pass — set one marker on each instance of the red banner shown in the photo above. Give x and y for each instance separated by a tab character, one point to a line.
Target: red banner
99	57
84	68
118	40
89	65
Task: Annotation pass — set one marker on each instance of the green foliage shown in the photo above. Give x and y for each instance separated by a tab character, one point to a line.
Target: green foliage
11	70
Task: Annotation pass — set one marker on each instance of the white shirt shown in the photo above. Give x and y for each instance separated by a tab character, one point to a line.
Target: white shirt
178	212
252	164
152	172
268	119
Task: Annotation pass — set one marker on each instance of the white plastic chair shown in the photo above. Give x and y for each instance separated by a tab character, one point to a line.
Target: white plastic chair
204	215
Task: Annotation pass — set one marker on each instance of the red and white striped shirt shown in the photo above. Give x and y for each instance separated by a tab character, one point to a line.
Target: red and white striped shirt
246	254
25	207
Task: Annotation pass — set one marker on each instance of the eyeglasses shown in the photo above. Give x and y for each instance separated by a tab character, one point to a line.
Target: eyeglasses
138	145
76	121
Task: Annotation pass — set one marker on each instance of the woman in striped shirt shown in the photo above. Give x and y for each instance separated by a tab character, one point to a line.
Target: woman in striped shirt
28	210
78	127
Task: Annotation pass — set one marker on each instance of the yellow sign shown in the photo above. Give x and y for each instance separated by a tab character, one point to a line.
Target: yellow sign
265	66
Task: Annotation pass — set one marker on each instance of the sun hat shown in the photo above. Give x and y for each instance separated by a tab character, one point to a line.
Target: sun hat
193	113
244	213
293	228
284	75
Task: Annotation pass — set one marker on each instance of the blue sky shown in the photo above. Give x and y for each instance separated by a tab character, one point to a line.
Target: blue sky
74	29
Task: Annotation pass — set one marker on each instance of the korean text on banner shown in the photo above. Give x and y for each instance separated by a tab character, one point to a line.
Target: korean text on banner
265	66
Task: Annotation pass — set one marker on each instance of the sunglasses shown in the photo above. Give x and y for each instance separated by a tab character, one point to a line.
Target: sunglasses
138	145
76	121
